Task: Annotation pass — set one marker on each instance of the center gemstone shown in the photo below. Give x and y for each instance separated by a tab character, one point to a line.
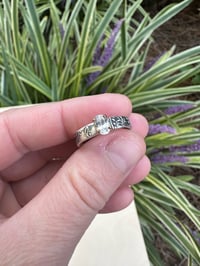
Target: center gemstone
102	124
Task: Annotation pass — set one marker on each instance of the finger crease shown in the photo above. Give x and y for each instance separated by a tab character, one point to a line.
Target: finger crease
17	143
97	197
63	121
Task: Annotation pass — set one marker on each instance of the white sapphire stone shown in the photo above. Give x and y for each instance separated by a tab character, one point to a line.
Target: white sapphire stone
102	124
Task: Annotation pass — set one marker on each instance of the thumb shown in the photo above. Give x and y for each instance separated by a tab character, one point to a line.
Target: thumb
57	218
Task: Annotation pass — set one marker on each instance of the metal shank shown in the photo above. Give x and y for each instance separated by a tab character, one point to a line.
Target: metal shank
85	133
102	125
118	122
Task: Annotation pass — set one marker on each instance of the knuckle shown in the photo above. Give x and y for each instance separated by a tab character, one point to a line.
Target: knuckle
86	184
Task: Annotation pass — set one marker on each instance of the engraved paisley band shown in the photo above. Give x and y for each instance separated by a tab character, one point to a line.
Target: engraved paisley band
101	125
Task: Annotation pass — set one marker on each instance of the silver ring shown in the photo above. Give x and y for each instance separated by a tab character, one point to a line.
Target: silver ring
101	125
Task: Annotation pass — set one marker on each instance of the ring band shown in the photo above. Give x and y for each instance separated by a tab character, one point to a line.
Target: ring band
101	125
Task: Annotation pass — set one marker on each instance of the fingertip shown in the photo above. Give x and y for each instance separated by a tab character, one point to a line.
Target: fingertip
121	199
139	124
123	99
141	170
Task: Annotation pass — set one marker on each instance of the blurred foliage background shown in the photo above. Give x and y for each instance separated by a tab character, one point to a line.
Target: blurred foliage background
54	50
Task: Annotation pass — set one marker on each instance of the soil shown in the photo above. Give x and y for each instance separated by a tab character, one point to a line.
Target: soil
183	32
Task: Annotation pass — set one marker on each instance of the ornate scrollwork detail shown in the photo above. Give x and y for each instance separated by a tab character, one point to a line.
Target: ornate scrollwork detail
101	125
87	131
119	122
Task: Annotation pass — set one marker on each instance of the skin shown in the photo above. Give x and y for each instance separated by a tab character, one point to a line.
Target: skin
50	190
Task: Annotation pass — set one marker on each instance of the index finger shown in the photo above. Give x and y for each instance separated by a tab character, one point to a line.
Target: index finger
34	128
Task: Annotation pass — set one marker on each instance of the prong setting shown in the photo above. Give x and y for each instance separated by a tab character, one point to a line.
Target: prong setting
102	124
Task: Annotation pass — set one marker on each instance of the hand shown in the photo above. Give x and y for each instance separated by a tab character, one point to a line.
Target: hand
50	191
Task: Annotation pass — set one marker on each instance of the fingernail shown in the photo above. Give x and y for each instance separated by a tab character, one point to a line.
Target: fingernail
124	153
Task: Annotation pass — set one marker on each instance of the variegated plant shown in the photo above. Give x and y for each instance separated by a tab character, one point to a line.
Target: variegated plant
52	50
